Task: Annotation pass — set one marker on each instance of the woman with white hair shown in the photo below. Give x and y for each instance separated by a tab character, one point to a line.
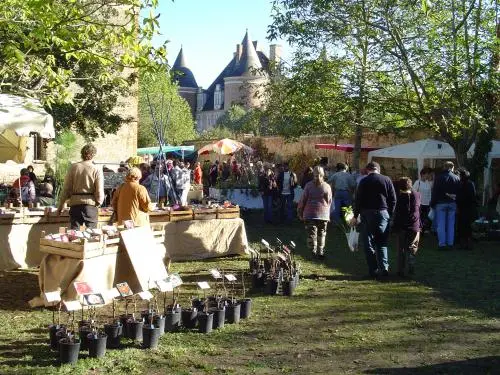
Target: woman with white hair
314	210
131	200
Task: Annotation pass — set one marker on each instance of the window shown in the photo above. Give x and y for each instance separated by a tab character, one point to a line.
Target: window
218	97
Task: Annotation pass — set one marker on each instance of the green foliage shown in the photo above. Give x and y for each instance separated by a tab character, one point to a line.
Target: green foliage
77	57
216	133
240	121
67	148
168	107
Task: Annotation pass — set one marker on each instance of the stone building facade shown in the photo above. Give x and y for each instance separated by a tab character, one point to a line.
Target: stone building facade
238	83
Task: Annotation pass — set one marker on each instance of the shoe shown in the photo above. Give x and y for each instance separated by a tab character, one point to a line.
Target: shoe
314	253
321	255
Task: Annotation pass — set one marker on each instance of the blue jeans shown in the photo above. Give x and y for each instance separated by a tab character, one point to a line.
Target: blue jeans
287	207
267	201
375	233
342	199
445	220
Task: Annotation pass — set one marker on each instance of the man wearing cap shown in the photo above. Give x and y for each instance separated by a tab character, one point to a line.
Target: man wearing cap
84	187
375	203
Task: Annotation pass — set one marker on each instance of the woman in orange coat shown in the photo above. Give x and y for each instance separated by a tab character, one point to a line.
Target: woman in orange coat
131	200
198	174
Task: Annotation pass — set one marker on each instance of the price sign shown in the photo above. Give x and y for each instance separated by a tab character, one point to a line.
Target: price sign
230	277
52	297
146	295
72	305
175	279
264	242
203	285
215	274
164	286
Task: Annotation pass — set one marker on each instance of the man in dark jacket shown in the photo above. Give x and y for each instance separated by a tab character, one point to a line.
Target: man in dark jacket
443	201
375	203
287	181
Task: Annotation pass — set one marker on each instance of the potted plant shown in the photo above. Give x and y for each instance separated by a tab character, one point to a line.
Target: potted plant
69	348
134	326
246	303
205	319
150	335
173	314
219	312
97	343
189	317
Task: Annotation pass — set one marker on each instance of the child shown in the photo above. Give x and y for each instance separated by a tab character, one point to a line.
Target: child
407	224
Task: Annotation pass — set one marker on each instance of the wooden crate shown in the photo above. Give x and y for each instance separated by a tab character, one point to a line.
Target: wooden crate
159	216
158	233
205	214
181	215
82	250
228	213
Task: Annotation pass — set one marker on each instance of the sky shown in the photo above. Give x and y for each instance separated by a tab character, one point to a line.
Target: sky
208	31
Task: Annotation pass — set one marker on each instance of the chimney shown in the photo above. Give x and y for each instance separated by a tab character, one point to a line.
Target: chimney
238	52
275	52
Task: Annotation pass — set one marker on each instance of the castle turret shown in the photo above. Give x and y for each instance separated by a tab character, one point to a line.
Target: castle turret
184	78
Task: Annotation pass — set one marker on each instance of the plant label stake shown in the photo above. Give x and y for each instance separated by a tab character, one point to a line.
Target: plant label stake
203	285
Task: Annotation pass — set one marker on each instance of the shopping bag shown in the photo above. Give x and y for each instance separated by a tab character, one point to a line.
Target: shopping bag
352	239
431	214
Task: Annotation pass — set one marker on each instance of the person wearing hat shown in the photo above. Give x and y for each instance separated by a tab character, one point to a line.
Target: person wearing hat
375	203
84	188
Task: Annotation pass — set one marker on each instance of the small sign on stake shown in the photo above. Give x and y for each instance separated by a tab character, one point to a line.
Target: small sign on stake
215	274
124	289
175	279
230	277
264	242
164	286
203	285
72	305
82	288
52	297
93	299
146	295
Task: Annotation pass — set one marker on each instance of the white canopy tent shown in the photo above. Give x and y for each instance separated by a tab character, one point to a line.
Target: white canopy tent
493	154
419	150
19	117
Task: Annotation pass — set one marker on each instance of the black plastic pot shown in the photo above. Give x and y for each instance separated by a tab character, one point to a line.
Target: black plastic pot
147	315
82	323
53	328
114	335
205	322
68	351
134	329
172	321
258	280
233	313
219	317
97	345
272	286
189	318
83	331
267	265
123	321
288	287
246	308
150	336
159	322
59	336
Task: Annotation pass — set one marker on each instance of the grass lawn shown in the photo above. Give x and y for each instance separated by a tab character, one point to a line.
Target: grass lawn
443	321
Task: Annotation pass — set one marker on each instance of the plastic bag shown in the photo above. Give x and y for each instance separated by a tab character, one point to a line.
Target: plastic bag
431	214
353	239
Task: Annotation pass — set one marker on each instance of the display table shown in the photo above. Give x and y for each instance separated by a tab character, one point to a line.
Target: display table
201	239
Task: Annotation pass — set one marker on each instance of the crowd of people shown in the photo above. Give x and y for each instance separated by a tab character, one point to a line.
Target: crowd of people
442	202
29	190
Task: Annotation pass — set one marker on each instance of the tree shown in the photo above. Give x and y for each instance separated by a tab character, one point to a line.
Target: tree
77	57
159	97
443	58
341	29
240	121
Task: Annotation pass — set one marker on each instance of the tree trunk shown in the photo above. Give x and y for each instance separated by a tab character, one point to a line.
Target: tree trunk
356	155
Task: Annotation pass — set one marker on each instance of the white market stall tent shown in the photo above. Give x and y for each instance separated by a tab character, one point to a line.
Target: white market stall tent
420	151
19	118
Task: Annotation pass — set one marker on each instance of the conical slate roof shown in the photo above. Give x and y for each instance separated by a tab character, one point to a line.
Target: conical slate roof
182	74
249	62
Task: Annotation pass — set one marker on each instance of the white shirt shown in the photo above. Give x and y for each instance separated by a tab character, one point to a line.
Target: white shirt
286	183
425	190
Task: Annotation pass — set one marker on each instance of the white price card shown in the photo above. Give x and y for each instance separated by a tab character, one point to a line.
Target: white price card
52	297
112	293
230	277
215	274
175	279
164	286
72	305
203	285
146	295
264	242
